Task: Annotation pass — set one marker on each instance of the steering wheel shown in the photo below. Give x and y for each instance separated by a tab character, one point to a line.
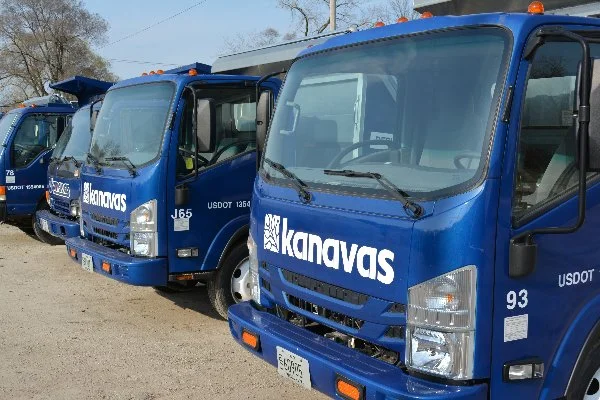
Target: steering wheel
220	152
336	161
465	156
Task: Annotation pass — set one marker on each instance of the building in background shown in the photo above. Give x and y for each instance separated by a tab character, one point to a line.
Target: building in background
585	8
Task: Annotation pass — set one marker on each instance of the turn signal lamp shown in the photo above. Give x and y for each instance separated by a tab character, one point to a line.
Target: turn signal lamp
106	267
349	390
426	15
2	193
73	253
379	24
402	20
251	340
537	7
48	197
193	72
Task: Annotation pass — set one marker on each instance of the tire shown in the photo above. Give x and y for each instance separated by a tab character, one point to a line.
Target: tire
42	236
586	377
220	291
177	287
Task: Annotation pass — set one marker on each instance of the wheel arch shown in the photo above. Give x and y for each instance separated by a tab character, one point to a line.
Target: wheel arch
228	237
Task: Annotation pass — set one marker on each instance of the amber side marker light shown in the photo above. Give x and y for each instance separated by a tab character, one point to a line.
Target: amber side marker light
73	253
537	7
349	390
251	340
106	267
2	193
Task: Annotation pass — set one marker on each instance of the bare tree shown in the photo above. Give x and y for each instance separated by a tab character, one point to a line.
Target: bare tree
46	41
253	40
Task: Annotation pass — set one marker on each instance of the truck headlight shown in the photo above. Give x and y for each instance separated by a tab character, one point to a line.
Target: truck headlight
143	236
75	209
253	260
440	330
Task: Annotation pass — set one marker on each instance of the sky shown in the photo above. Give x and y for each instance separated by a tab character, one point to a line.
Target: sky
197	35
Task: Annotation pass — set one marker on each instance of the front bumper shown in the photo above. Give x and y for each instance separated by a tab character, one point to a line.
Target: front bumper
327	359
57	226
131	270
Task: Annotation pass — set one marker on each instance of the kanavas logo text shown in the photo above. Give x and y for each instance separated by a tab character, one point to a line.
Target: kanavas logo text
370	262
108	200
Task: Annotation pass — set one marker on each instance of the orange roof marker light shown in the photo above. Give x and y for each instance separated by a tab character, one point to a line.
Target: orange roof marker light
537	7
402	20
160	72
193	72
145	74
379	24
152	73
426	15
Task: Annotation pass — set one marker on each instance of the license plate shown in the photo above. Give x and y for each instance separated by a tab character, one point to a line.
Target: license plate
293	367
44	225
87	263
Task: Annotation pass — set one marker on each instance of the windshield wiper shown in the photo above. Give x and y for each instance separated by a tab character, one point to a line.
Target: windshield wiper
69	158
398	193
305	195
95	162
127	162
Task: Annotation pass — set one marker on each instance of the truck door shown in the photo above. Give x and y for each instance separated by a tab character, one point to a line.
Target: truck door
30	152
534	314
220	191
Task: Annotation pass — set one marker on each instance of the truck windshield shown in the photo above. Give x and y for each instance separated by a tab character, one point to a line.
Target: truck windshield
417	110
5	125
132	123
75	140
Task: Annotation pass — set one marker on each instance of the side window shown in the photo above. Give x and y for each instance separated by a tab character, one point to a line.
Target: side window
236	122
546	159
187	142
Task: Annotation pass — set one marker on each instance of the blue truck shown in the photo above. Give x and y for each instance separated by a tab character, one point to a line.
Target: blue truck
61	221
27	137
423	222
169	174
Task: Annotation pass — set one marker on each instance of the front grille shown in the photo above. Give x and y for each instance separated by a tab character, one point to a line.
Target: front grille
396	332
326	289
105	220
398	308
105	233
339	318
62	207
266	285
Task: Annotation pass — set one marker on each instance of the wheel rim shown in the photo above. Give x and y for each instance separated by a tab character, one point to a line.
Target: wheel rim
593	389
240	282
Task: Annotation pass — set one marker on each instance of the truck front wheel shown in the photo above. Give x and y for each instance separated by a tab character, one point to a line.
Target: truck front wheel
586	377
231	284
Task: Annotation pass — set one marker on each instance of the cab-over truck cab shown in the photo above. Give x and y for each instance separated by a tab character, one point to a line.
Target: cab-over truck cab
27	137
61	220
167	182
424	223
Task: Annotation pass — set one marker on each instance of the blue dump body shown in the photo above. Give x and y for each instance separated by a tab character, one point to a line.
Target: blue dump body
64	185
135	227
422	150
27	136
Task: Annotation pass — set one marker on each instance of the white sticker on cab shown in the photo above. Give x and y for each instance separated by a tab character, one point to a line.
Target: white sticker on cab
181	224
515	328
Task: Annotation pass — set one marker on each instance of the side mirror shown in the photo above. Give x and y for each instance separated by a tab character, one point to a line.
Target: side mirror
594	129
263	119
206	125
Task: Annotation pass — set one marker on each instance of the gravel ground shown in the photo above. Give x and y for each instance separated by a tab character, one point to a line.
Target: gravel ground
69	334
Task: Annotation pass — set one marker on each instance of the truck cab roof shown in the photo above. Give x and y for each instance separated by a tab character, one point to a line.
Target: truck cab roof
515	22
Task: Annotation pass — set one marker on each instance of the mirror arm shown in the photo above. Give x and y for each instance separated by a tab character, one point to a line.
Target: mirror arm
522	258
194	127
